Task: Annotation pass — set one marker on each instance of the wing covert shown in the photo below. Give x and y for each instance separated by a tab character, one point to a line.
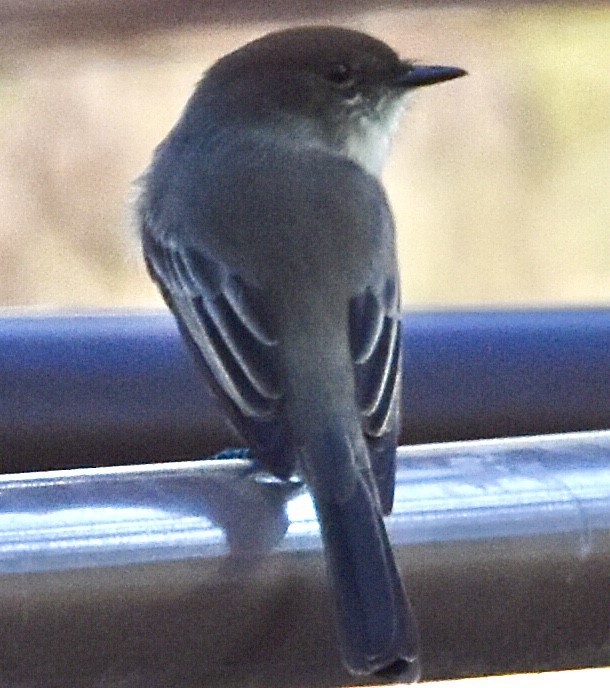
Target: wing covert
375	337
376	348
226	320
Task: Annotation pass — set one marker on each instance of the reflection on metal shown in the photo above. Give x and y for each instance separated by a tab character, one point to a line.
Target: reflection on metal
208	573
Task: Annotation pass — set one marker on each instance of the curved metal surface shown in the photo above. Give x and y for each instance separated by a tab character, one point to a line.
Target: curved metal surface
484	374
209	573
109	389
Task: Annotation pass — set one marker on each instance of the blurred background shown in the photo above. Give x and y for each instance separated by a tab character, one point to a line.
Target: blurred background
499	181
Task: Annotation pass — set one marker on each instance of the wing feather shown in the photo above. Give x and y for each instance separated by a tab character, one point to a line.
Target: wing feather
376	350
375	337
226	320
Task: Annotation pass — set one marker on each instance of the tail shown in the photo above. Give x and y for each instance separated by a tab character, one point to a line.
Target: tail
377	629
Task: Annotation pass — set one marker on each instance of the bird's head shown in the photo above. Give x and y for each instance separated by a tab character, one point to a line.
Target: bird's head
327	86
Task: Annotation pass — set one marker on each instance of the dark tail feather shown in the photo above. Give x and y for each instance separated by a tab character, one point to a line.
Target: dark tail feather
376	626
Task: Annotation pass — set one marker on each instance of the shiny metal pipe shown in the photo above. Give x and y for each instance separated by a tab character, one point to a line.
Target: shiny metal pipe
209	573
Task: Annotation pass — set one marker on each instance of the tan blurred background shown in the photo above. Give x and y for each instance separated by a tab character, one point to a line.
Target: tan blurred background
499	182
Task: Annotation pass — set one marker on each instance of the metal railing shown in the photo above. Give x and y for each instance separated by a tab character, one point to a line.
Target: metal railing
206	573
203	573
118	389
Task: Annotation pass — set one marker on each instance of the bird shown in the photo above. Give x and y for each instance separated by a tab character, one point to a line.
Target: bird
266	227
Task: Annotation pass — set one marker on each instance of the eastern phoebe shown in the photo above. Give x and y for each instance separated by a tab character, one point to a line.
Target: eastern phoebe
265	226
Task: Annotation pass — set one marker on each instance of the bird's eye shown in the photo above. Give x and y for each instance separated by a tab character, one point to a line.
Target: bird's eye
340	74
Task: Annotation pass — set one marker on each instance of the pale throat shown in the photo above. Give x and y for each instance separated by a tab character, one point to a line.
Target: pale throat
368	142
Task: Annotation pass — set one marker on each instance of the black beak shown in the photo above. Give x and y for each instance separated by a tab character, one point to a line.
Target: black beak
413	76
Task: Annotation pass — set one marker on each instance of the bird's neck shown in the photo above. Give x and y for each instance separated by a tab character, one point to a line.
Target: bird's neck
365	142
